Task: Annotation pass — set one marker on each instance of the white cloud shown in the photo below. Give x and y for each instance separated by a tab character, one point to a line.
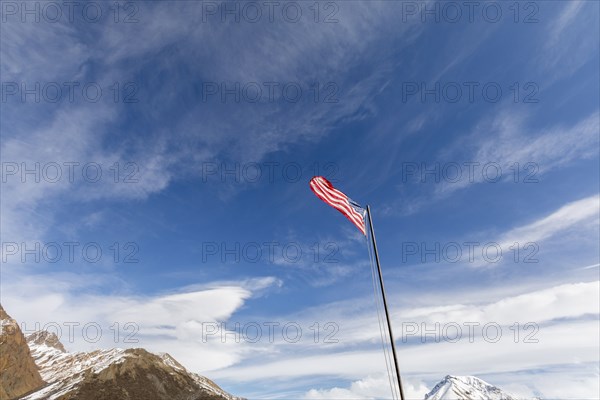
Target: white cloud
579	219
496	145
41	52
505	140
369	388
564	301
568	343
572	226
574	381
565	18
568	43
169	322
172	323
80	131
580	214
566	335
550	148
59	151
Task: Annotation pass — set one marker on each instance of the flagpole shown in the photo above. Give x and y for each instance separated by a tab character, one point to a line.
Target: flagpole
385	307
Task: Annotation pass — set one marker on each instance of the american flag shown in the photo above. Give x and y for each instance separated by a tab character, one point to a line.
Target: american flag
338	200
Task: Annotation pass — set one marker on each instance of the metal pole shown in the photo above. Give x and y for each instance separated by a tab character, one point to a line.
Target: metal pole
385	307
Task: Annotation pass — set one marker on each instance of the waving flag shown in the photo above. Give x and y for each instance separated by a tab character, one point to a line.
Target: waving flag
338	200
357	215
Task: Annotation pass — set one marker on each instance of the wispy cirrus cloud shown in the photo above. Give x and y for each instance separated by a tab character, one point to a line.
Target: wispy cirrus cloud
542	306
571	223
582	213
567	46
197	131
499	144
506	140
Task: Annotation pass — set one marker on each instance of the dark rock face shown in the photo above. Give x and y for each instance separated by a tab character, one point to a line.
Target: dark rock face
18	373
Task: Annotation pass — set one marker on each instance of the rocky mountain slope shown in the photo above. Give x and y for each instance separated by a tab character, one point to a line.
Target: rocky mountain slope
466	388
124	374
18	373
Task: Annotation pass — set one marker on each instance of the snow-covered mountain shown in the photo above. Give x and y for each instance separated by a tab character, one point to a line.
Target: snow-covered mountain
466	388
125	374
114	373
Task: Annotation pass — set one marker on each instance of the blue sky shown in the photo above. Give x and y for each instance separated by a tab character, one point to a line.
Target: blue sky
173	209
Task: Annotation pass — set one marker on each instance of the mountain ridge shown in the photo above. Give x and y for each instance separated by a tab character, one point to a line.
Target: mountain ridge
38	367
466	388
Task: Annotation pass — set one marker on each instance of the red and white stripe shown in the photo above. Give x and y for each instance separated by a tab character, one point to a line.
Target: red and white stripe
338	200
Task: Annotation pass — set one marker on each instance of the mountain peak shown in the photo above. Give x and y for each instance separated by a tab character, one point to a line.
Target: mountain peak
45	338
466	387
